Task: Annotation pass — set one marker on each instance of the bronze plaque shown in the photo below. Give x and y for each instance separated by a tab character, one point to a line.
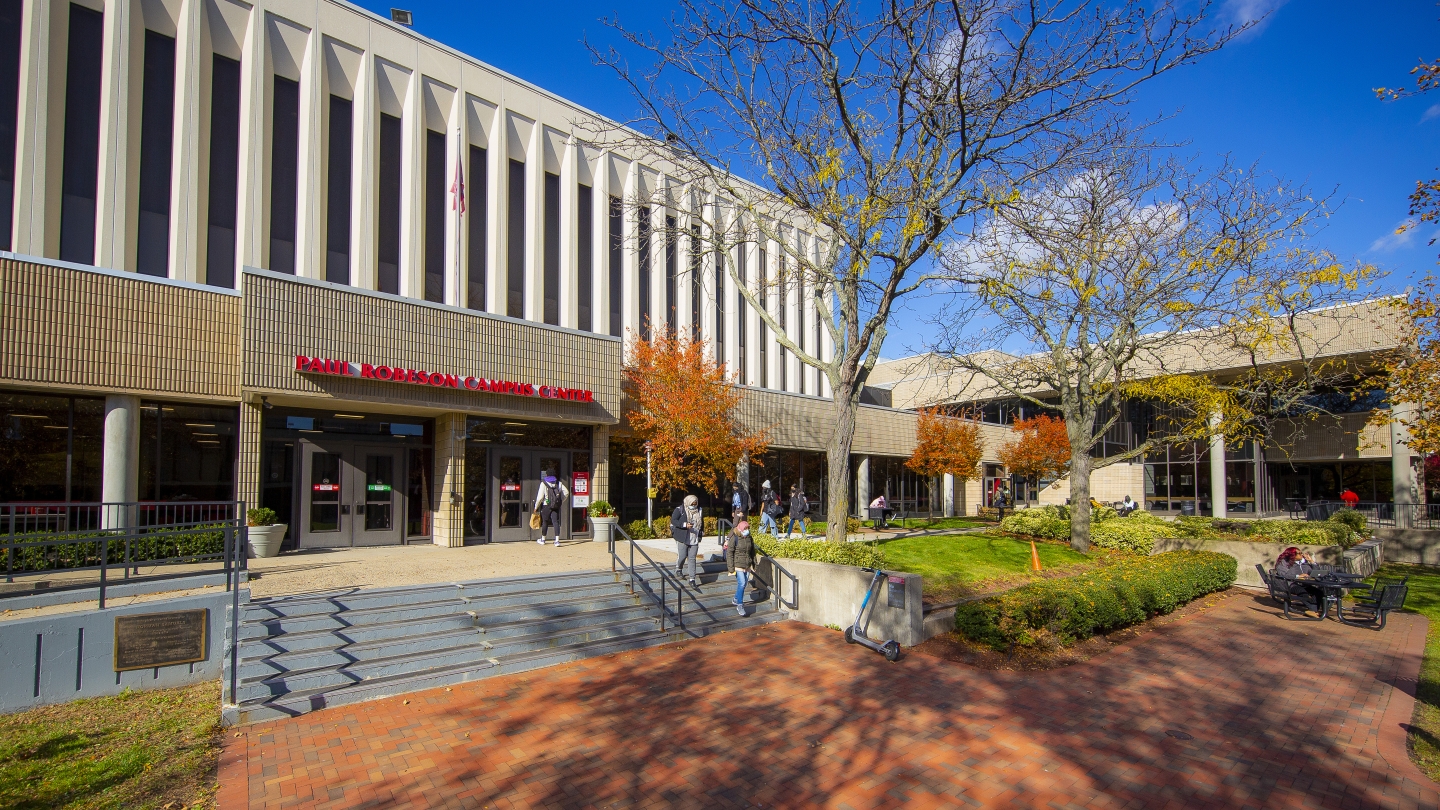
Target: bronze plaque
149	640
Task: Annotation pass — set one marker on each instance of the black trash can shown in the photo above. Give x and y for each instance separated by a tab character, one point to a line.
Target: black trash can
1187	508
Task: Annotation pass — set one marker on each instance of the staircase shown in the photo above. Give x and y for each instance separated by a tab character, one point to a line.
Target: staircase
307	652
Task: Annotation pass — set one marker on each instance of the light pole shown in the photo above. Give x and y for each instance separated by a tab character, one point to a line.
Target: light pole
649	492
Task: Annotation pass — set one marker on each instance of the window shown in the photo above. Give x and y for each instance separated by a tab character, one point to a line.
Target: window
645	270
10	19
477	200
783	305
720	306
284	172
157	117
585	250
50	448
552	249
337	198
515	242
762	281
616	292
740	270
697	290
672	316
81	166
224	171
187	452
388	208
800	335
434	216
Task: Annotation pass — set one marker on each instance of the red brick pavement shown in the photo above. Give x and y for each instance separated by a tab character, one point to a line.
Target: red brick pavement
1278	715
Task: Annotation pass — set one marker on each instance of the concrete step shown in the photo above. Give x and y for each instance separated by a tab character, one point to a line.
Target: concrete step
489	604
276	661
299	702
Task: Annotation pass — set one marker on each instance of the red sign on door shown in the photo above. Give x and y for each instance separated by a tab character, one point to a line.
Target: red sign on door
326	487
580	488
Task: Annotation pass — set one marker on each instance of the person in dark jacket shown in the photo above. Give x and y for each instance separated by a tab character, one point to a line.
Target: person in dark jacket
769	504
740	558
739	503
799	508
686	525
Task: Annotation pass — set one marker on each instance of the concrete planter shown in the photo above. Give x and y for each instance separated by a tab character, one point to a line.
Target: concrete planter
830	594
265	540
602	528
1248	555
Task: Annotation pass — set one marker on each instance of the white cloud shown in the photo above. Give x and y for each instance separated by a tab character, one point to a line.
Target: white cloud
1395	239
1239	12
1433	112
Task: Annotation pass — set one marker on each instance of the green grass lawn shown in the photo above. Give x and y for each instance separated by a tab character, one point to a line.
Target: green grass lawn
135	750
936	523
957	565
1424	598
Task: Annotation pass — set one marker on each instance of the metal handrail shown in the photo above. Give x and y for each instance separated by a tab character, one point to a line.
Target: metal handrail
1379	513
665	577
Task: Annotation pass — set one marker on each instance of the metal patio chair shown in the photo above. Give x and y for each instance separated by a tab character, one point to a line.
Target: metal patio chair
1374	612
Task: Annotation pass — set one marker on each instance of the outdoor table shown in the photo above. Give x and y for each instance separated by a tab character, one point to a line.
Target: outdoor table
1329	588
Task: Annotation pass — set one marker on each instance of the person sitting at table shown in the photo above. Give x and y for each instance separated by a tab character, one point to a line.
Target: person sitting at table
882	506
1292	563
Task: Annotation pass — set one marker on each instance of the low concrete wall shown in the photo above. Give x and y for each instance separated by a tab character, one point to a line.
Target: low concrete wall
1411	545
831	594
52	659
1248	555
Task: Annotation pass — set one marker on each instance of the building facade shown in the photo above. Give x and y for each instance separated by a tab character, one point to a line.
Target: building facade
294	254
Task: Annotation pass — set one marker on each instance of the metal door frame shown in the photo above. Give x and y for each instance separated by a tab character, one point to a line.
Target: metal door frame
351	476
529	486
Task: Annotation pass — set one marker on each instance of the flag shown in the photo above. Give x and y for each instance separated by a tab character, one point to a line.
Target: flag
458	189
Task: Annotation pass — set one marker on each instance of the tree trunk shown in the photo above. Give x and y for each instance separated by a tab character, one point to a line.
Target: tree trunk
837	453
1080	466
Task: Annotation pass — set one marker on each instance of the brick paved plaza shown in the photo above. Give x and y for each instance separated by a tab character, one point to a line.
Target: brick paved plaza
1300	714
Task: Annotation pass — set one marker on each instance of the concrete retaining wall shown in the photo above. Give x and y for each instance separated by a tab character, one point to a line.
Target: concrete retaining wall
830	594
1248	555
52	659
1411	545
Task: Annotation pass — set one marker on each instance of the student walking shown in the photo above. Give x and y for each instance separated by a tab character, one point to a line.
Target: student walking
799	508
549	500
740	558
686	524
739	503
769	506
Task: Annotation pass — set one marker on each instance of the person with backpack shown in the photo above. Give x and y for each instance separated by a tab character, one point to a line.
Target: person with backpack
740	558
686	525
549	500
739	503
799	509
769	506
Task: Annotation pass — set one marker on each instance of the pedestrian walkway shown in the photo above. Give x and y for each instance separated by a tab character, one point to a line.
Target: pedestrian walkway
1232	708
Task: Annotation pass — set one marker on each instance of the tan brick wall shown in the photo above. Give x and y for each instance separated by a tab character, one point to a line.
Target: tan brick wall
286	316
449	517
1342	438
104	332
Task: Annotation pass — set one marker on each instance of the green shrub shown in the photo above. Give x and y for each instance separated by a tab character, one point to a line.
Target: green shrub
83	550
1043	522
639	530
260	517
1131	533
1070	609
1354	519
865	555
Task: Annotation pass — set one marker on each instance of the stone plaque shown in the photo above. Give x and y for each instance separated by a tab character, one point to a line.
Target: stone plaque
895	592
149	640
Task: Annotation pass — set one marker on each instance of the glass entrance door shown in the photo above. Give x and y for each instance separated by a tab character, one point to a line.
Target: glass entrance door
514	483
350	495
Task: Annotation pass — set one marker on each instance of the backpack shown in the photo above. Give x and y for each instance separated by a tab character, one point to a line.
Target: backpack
552	494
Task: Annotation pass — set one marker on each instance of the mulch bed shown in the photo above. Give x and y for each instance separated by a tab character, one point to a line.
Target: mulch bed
954	647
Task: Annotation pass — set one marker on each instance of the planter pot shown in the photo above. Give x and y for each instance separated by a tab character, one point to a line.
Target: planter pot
265	540
602	528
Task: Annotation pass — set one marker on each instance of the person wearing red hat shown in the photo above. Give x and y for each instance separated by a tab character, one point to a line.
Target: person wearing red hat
740	558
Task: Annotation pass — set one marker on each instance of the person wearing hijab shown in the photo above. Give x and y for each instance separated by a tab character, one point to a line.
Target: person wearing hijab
686	525
740	558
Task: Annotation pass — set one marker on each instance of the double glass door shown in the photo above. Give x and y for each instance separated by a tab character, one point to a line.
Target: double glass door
350	495
514	481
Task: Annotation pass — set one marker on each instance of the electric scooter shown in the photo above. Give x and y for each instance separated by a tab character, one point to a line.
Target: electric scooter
855	633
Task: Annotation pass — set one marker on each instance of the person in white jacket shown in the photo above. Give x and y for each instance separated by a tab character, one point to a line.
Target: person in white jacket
549	500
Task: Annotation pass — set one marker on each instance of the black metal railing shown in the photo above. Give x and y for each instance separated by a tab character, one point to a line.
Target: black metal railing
56	539
723	526
1381	514
668	582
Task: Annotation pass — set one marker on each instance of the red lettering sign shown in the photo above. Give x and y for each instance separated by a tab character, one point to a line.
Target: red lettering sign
307	364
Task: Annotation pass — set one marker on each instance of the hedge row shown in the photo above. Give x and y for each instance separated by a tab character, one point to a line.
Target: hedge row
83	550
865	555
1140	530
1070	609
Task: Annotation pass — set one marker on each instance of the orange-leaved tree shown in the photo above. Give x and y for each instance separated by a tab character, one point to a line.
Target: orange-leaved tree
945	445
685	406
1040	449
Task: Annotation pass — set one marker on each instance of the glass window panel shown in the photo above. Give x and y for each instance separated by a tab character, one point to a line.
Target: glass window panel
477	480
419	493
511	475
325	492
34	445
379	492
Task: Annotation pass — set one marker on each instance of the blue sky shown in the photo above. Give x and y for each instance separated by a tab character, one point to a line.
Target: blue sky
1295	96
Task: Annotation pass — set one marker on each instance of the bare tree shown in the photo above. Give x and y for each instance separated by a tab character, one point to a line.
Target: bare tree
868	131
1114	285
